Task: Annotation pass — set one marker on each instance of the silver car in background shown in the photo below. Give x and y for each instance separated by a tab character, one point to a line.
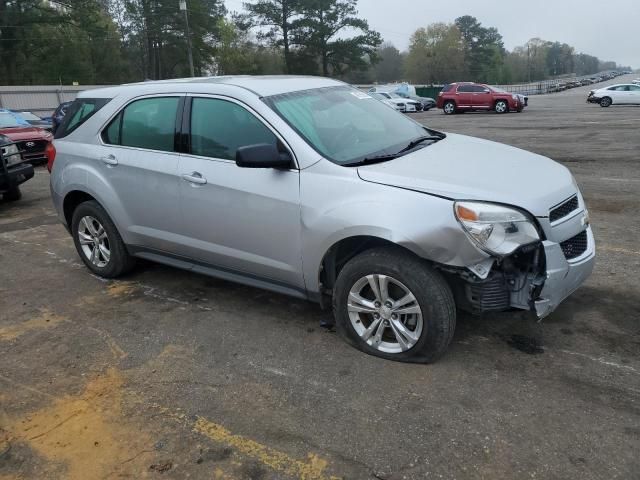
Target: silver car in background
308	187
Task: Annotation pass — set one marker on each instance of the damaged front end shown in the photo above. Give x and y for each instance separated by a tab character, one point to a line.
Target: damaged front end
501	284
536	276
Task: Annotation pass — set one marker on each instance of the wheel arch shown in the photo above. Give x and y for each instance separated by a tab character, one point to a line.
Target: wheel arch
71	201
343	250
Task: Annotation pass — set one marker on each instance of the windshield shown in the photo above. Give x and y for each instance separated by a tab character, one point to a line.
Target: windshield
344	124
498	90
7	120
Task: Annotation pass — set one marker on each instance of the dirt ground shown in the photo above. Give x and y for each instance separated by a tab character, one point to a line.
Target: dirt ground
168	374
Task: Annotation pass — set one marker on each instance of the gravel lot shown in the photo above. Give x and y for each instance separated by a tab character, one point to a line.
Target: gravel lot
167	374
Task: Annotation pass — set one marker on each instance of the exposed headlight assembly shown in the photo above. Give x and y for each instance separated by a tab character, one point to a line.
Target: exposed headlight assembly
496	229
11	154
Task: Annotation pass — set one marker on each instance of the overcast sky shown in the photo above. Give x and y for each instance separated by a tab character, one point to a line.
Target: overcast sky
608	29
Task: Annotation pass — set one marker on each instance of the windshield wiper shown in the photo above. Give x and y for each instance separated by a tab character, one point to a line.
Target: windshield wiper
414	143
390	156
374	159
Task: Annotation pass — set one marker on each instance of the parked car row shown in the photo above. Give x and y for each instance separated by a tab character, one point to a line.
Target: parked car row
402	97
561	86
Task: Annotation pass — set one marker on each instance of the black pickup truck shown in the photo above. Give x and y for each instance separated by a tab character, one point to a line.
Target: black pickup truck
13	171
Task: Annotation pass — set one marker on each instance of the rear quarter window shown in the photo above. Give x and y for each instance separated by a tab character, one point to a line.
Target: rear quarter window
81	110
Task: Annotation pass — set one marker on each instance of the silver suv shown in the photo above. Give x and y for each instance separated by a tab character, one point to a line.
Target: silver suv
309	187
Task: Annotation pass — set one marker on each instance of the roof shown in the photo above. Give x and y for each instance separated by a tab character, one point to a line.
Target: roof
263	86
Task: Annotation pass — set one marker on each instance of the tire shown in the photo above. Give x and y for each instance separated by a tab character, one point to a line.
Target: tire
501	106
449	107
430	331
605	102
92	223
12	195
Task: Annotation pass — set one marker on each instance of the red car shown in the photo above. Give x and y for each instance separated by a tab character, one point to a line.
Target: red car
467	96
32	142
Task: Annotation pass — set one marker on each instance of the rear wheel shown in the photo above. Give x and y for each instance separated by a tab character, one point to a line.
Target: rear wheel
98	242
12	195
605	102
391	304
449	107
501	106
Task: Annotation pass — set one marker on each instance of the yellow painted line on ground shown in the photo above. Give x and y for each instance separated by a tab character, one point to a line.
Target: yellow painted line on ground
46	319
312	469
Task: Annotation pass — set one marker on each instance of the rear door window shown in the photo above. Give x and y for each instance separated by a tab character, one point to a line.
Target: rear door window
147	123
81	110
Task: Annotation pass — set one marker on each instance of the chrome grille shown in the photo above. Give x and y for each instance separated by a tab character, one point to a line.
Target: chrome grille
575	246
564	209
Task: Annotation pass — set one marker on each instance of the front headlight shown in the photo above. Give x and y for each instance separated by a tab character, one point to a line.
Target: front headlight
495	229
515	97
12	154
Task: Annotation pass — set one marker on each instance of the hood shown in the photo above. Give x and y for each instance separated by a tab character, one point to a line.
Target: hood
467	168
18	134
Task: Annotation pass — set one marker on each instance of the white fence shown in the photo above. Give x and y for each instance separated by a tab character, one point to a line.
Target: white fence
40	99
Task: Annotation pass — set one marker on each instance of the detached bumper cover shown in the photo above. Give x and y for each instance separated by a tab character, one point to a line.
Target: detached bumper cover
563	276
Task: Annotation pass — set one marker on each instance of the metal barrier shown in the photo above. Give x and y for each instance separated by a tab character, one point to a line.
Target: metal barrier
40	99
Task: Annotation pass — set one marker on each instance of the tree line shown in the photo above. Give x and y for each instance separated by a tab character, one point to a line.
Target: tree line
467	50
117	41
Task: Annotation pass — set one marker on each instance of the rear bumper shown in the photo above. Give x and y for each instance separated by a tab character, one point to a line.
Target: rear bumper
13	176
563	276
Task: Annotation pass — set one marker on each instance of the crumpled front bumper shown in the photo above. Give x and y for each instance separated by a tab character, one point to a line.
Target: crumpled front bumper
563	276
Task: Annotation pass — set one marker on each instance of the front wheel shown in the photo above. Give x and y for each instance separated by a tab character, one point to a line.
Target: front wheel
391	304
449	108
605	102
502	106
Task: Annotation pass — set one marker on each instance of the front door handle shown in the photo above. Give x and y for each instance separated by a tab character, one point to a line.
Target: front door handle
109	160
194	177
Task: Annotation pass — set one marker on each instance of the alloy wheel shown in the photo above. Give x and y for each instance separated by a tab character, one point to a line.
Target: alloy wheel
449	108
501	107
94	241
385	314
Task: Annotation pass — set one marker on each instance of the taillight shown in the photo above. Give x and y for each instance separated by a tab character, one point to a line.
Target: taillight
50	152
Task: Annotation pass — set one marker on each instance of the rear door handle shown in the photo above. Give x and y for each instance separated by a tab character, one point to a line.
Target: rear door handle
109	160
194	177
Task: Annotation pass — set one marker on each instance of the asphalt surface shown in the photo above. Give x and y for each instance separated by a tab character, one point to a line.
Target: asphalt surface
168	374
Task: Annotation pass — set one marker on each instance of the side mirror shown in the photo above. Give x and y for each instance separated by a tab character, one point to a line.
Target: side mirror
262	155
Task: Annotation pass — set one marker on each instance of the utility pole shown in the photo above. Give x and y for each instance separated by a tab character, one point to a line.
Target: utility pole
183	7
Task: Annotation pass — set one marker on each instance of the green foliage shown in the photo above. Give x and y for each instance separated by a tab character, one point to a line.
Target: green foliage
477	53
320	30
436	55
483	49
390	66
40	43
279	18
116	41
237	54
